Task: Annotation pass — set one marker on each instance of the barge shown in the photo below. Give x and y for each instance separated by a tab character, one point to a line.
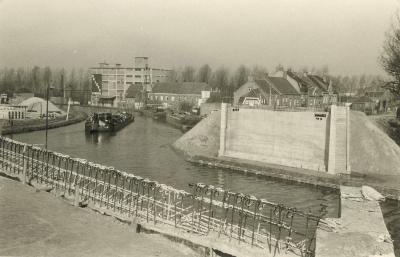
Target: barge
108	122
182	121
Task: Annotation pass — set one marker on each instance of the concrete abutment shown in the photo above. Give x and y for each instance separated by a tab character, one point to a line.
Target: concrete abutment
314	140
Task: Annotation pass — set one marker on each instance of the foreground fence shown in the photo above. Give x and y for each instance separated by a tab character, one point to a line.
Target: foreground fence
204	211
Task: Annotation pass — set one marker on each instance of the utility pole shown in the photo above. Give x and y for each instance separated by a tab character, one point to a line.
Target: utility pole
47	113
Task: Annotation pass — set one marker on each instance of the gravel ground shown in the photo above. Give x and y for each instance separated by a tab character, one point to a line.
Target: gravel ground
36	223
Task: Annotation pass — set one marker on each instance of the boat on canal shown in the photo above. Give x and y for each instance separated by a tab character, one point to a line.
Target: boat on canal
183	121
156	113
108	122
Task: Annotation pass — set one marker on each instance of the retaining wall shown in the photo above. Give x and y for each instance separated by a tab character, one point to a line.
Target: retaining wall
312	140
297	139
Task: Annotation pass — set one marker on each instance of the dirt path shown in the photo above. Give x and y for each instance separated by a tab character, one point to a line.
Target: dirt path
38	224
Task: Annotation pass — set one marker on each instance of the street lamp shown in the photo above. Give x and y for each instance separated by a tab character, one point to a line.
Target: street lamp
47	111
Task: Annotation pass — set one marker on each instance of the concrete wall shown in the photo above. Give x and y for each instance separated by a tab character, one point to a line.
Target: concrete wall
297	139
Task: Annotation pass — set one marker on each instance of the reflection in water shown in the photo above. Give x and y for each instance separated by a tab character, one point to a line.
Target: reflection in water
144	148
99	138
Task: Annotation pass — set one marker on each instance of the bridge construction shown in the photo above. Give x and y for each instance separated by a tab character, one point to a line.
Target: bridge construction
210	217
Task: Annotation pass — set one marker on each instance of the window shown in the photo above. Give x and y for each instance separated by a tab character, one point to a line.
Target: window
172	98
167	98
138	76
138	69
129	76
161	98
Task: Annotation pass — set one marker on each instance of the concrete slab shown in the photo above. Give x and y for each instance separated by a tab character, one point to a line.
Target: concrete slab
360	231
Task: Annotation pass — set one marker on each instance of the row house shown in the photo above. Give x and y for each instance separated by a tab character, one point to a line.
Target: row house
286	89
171	94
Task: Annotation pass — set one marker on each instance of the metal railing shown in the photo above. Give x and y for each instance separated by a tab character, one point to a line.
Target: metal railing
205	211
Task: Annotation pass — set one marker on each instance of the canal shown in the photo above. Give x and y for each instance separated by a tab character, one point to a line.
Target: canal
144	148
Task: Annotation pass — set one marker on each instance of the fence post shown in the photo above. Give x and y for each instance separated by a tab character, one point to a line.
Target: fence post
222	135
77	195
25	163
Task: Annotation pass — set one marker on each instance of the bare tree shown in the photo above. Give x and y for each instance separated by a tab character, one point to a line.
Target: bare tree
204	74
390	57
240	76
188	74
259	72
220	80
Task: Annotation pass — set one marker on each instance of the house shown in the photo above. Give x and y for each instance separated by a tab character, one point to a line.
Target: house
364	104
171	94
286	89
274	91
134	96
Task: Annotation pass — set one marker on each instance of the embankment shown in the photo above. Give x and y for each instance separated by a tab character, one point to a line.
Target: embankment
374	157
202	139
23	126
389	124
372	151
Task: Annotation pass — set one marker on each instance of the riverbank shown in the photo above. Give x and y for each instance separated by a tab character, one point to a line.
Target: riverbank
23	126
34	223
389	124
375	158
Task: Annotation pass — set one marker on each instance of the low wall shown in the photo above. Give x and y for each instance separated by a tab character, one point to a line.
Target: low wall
296	139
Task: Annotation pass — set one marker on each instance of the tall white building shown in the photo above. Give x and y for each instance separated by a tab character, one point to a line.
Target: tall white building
112	81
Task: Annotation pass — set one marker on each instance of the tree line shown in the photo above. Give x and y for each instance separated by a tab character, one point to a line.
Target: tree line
73	83
227	81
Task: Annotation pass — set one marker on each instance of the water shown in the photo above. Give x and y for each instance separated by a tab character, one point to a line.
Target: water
144	148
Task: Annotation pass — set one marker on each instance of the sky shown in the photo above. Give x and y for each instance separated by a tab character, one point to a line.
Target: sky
345	35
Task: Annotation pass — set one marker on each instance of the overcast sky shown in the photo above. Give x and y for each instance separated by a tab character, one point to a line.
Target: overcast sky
346	35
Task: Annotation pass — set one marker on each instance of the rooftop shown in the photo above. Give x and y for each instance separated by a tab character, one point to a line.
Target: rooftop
181	88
